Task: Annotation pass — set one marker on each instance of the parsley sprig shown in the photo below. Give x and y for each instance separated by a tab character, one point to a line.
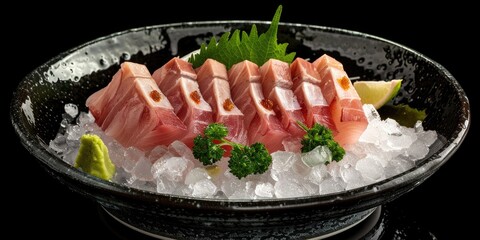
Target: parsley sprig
244	160
319	135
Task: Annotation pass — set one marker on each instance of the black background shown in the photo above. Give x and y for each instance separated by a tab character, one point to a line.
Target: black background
39	205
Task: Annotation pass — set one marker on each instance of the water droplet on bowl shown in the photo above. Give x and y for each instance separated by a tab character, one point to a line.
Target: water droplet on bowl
125	56
382	67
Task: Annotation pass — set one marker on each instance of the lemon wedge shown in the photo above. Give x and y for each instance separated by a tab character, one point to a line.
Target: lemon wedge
377	93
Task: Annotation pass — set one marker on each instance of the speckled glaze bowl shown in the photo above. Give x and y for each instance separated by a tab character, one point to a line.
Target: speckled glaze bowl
72	76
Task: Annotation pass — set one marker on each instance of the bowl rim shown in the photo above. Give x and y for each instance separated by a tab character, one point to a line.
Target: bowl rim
415	175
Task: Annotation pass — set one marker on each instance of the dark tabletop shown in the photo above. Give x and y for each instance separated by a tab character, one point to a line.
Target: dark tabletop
39	204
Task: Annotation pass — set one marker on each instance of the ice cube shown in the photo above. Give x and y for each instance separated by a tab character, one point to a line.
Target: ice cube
250	186
141	184
235	188
142	170
74	133
373	133
349	158
230	184
281	162
131	156
371	168
85	118
353	185
360	150
157	152
289	186
196	175
183	190
70	155
310	188
216	171
145	185
349	174
71	109
319	155
264	190
59	143
178	148
299	167
204	188
399	137
418	126
396	166
116	153
391	127
121	175
417	151
292	144
329	185
334	169
370	112
318	173
428	137
165	186
172	169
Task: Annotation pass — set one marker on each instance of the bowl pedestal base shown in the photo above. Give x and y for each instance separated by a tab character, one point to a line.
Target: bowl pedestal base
353	226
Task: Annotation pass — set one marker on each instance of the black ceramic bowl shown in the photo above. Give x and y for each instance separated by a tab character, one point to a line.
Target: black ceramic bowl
72	76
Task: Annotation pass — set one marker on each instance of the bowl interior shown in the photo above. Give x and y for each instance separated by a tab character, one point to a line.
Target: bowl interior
38	104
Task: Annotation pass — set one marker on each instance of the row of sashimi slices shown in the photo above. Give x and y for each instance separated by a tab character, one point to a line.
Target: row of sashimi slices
257	104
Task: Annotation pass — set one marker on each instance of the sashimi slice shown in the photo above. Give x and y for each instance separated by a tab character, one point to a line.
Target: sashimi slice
260	119
306	86
212	79
345	104
100	99
177	80
277	83
138	113
350	120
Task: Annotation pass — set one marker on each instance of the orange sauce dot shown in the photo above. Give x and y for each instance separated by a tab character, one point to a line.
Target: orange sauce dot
228	105
155	95
195	96
344	82
267	103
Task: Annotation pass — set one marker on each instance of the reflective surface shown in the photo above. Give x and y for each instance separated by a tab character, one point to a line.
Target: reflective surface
53	206
384	223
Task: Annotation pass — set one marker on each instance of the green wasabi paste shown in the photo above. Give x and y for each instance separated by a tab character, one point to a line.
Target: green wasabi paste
93	157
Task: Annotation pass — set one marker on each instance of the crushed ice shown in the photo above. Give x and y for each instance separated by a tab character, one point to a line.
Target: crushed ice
384	150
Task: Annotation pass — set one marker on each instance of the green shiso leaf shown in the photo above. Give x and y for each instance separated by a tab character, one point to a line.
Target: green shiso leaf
239	46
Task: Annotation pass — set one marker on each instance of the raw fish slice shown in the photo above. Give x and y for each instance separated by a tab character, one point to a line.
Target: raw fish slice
314	106
244	83
276	84
345	104
136	110
177	80
212	79
116	95
166	119
306	86
260	119
335	70
100	100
